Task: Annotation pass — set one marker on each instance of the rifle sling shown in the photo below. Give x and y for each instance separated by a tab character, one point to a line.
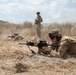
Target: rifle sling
31	50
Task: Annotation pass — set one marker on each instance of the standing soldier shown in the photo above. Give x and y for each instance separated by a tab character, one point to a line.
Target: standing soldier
38	21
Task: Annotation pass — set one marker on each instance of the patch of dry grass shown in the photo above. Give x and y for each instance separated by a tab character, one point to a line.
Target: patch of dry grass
27	29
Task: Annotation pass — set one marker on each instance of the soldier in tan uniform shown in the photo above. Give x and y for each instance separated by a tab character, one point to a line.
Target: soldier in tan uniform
62	46
38	21
67	45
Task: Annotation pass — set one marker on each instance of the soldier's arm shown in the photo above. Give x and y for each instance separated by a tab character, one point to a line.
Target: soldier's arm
41	19
36	20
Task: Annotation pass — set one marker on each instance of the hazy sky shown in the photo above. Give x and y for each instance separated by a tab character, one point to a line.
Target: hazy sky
18	11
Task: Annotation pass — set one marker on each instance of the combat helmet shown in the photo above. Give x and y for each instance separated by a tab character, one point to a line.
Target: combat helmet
53	33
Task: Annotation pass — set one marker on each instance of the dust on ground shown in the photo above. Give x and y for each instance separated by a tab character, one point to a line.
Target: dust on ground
18	60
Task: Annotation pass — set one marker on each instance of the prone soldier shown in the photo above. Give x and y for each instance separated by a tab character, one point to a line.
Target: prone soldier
67	45
15	37
62	46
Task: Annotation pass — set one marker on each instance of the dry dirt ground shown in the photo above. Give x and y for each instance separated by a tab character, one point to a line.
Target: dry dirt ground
18	60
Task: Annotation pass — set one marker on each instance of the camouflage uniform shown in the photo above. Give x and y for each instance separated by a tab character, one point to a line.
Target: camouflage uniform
67	45
38	21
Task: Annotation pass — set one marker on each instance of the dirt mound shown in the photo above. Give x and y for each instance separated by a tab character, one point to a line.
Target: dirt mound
18	60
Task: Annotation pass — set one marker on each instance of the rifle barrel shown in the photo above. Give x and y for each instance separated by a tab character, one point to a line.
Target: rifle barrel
22	43
54	45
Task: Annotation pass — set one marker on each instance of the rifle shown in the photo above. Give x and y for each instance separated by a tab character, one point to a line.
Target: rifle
39	45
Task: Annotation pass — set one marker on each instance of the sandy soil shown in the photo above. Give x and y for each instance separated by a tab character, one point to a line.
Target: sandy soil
18	60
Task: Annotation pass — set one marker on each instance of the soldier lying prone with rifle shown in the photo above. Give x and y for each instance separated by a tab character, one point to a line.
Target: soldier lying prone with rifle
64	46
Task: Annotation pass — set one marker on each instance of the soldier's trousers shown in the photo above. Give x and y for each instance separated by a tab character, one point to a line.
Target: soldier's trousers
38	30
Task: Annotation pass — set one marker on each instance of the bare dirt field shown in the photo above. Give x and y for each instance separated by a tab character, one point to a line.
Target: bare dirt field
18	60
